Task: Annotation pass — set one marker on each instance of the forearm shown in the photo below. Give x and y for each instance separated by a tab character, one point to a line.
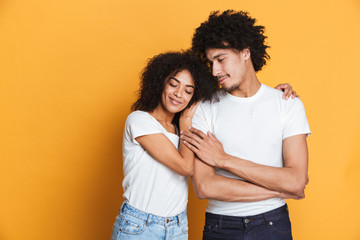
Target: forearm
282	179
291	178
231	190
186	154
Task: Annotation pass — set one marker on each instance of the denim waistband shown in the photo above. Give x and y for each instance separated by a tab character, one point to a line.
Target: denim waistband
238	222
151	218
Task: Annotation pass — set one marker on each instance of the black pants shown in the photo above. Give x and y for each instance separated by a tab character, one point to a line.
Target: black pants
272	225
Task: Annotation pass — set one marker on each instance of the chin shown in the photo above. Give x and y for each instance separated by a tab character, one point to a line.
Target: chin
174	110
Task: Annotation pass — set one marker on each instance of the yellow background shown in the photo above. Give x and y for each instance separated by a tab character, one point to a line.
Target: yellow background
68	75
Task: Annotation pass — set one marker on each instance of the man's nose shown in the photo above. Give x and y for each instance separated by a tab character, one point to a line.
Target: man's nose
215	69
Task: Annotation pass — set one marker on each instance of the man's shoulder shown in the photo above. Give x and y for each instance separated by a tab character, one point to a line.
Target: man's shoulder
272	91
278	95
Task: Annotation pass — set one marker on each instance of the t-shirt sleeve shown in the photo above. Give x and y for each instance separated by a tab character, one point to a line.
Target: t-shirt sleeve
140	124
295	121
200	119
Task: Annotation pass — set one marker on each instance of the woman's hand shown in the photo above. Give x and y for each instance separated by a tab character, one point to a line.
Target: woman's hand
288	91
188	113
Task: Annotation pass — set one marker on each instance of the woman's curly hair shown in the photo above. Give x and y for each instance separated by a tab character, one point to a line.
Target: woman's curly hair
161	67
232	30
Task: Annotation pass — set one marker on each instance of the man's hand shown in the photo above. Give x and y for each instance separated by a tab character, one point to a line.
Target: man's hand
207	147
288	91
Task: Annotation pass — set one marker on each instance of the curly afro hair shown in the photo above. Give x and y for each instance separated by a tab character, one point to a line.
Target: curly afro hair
165	65
232	30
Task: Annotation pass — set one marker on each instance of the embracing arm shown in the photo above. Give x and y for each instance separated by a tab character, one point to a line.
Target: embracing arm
290	179
164	151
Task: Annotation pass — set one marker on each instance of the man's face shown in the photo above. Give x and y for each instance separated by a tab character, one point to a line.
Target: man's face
228	66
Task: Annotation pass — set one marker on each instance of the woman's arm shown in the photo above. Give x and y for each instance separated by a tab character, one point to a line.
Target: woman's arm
164	151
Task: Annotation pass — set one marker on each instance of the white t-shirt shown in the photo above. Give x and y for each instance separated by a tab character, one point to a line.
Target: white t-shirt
149	185
251	128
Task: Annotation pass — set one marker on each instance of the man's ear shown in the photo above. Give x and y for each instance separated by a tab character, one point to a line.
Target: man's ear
246	54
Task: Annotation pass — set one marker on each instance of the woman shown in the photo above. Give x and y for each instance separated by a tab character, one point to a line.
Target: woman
156	164
155	171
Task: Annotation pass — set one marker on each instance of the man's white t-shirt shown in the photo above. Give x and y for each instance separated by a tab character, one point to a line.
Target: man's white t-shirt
149	185
251	128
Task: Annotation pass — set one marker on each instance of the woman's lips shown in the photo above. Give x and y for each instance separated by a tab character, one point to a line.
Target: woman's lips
175	102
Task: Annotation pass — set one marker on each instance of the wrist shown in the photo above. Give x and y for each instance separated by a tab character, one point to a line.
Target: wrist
184	124
221	161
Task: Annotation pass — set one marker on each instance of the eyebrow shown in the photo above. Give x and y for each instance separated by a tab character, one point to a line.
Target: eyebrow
179	82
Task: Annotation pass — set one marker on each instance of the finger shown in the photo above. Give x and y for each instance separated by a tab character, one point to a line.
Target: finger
192	141
188	134
198	132
295	95
281	87
285	94
194	106
212	136
191	147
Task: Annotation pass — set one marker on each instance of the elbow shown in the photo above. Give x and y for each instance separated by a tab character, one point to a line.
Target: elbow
200	190
298	190
298	187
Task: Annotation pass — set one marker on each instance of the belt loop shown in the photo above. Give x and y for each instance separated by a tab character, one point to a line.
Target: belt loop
148	221
266	221
178	220
122	206
220	222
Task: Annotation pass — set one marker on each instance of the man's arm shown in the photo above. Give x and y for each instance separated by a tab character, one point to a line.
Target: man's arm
290	179
209	185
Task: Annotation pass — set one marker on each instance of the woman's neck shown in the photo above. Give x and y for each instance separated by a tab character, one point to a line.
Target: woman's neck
163	116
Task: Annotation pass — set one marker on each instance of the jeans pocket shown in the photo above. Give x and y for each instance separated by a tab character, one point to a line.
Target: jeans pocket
210	228
116	227
281	225
131	225
184	225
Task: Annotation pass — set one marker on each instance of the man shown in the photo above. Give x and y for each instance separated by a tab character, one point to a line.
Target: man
259	156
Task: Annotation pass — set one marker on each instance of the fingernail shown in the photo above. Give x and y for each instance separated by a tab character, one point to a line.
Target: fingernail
181	131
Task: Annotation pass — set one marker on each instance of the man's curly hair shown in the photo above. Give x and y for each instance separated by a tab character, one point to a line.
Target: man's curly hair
165	65
232	30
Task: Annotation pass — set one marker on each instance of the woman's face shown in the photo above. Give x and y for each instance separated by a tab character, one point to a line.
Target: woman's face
178	91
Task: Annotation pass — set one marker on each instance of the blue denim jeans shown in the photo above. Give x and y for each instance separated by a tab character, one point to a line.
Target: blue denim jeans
272	225
132	223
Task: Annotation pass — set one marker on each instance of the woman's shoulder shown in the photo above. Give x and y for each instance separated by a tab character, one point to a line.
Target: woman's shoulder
139	118
138	114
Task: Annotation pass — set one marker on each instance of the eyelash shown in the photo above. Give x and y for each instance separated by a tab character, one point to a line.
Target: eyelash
172	85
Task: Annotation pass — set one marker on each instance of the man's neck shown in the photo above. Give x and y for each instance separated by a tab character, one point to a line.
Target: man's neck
248	87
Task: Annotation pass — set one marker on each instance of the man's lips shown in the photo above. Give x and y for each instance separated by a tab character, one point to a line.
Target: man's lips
221	79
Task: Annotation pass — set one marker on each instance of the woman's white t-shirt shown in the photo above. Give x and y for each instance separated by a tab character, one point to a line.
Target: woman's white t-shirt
149	185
